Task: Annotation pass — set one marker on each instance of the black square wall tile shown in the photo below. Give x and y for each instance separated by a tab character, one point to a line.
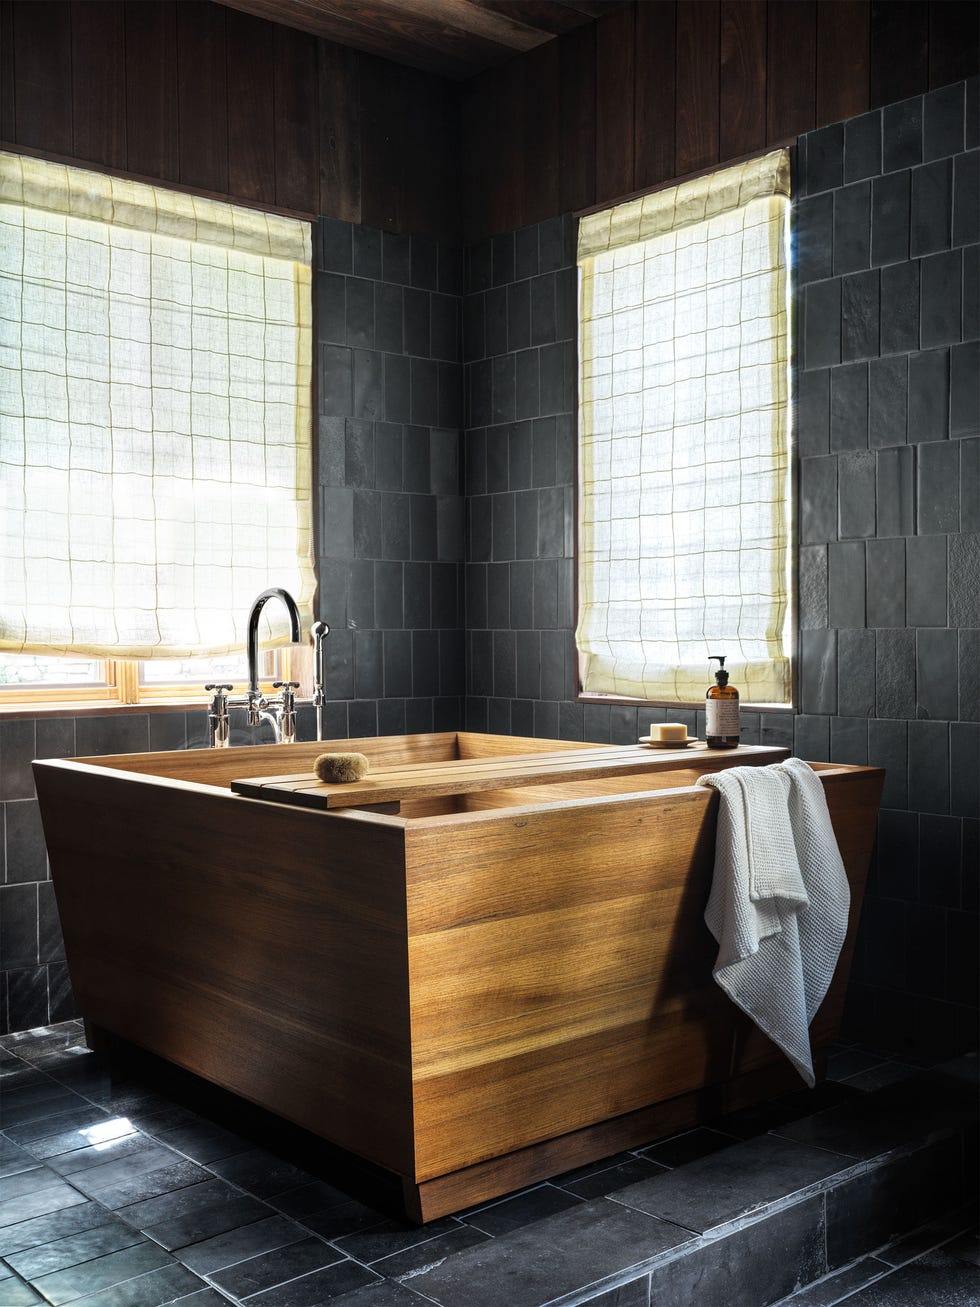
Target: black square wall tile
886	582
388	317
396	258
813	413
964	579
818	671
932	203
367	252
543	310
971	292
825	159
856	474
397	388
936	673
938	490
811	741
814	220
862	146
964	770
925	589
360	312
417	322
495	302
890	200
335	245
331	309
895	674
899	328
943	121
502	258
860	296
929	765
846	583
519	315
929	395
821	329
902	134
856	673
852	227
425	263
813	587
964	390
525	252
26	856
888	380
849	407
818	500
966	198
941	278
849	740
450	269
970	484
888	747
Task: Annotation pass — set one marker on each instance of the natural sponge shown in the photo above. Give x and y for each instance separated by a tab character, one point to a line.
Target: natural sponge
339	768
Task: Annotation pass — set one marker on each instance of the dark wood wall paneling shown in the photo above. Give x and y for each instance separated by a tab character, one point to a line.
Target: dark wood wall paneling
219	101
663	88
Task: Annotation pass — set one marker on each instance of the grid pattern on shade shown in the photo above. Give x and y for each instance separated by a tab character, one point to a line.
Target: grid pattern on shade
155	363
683	438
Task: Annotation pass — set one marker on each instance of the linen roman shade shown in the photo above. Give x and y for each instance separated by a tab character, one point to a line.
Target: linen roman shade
684	485
155	361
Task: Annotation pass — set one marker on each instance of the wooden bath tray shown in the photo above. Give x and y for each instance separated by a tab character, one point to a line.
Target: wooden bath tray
390	785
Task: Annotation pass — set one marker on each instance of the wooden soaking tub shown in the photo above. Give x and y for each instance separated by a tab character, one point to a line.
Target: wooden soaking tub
492	971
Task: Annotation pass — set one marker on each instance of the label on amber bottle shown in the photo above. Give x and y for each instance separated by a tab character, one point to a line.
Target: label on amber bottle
721	717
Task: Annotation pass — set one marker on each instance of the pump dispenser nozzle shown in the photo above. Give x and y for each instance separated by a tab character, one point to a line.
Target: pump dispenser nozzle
721	676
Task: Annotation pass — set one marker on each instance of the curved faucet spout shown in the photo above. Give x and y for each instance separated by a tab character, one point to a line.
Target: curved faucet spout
252	647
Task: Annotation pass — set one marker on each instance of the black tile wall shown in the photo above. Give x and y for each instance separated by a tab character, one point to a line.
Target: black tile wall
391	507
890	568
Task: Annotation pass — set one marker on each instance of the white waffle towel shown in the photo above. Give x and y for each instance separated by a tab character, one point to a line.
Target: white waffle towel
779	900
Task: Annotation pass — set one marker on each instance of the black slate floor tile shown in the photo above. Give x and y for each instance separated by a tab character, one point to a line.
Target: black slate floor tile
343	1219
96	1156
159	1181
196	1226
259	1172
14	1159
316	1288
78	1119
308	1199
386	1293
74	1249
24	1182
520	1210
416	1259
13	1293
278	1266
203	1142
150	1290
177	1203
562	1254
728	1184
240	1244
51	1197
833	1288
688	1147
391	1236
101	1272
937	1233
37	1103
119	1168
857	1130
53	1225
104	1131
609	1179
935	1280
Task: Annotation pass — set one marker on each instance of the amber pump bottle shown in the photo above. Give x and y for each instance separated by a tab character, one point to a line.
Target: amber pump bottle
721	710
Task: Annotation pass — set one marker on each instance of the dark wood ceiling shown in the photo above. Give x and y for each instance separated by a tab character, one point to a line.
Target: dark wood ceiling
455	38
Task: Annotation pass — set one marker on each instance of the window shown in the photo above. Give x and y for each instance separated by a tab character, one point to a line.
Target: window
155	364
684	473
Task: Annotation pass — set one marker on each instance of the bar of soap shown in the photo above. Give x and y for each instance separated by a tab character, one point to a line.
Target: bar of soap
668	732
340	768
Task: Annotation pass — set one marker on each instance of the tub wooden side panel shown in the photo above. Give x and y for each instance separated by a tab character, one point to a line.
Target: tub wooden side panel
261	948
560	971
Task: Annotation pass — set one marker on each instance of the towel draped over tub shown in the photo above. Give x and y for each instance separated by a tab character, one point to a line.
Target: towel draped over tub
779	900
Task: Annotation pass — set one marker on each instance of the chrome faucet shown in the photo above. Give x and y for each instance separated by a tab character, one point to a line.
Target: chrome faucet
319	632
256	705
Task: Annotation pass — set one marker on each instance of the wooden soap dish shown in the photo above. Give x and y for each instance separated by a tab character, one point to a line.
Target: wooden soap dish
667	744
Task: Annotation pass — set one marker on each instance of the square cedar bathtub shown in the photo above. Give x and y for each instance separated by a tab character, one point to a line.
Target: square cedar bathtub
495	970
